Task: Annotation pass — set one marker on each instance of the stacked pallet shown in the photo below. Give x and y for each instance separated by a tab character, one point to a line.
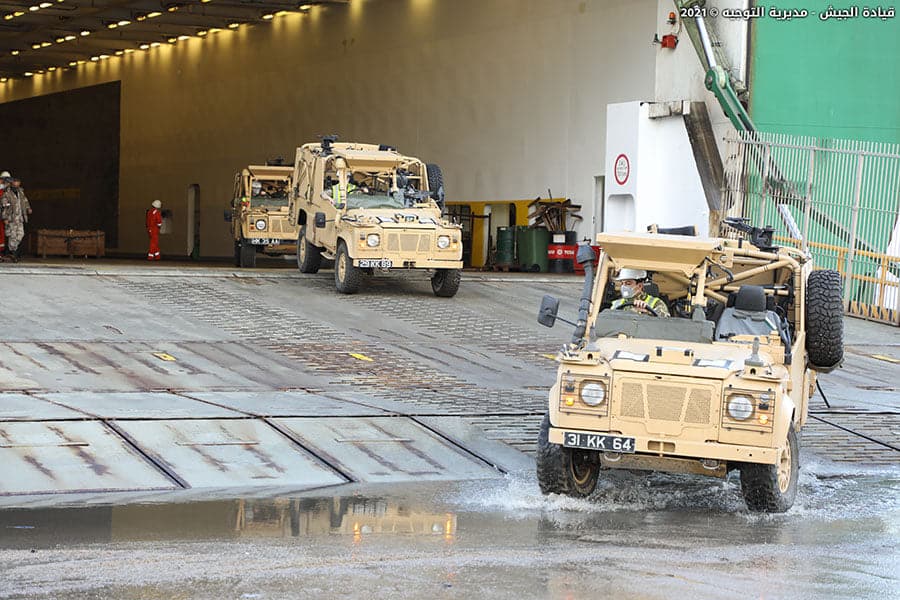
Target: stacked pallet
71	243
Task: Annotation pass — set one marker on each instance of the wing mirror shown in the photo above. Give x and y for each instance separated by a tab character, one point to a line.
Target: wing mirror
548	311
320	220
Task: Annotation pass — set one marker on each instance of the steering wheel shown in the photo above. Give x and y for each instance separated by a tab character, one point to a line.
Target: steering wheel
647	307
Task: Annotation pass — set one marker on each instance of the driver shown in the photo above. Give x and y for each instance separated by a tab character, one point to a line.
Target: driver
634	298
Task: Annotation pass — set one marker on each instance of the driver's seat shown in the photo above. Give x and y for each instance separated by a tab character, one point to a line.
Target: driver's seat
748	316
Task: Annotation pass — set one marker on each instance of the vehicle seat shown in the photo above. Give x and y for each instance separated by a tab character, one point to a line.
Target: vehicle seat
748	316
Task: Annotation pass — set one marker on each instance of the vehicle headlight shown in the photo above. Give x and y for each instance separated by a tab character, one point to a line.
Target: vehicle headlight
443	241
593	394
261	224
372	240
740	408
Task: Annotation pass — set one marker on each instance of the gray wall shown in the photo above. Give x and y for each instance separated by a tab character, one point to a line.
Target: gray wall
509	96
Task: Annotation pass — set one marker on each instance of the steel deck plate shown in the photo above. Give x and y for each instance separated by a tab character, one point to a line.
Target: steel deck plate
22	407
71	456
225	453
287	404
385	449
139	405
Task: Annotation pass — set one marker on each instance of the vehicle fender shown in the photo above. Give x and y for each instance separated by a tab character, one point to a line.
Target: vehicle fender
553	405
784	418
351	248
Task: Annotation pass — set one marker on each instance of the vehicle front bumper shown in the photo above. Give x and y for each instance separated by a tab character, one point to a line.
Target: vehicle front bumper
675	448
412	262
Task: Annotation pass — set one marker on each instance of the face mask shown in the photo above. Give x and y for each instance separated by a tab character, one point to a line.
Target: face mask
628	291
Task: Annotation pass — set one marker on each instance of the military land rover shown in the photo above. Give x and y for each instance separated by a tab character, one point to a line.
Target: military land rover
370	209
723	384
259	213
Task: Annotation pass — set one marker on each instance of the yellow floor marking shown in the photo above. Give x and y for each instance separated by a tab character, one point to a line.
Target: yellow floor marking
164	356
889	359
361	357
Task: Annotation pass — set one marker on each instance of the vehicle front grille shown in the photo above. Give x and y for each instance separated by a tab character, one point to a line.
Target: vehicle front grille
408	242
689	402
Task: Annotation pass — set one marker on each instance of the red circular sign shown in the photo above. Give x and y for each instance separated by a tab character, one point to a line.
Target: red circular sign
622	169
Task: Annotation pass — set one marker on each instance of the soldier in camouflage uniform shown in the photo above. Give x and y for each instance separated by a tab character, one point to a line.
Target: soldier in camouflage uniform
634	298
16	209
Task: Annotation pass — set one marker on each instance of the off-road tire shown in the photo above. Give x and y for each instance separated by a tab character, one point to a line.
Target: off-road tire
773	488
309	256
562	470
824	320
445	282
247	255
347	278
435	182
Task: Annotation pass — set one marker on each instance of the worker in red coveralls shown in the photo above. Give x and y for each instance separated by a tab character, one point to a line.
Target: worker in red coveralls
154	222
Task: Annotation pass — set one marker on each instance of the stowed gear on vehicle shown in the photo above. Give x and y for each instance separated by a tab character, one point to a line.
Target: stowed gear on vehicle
724	384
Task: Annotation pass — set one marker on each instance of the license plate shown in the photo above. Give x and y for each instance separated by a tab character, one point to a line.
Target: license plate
376	263
595	441
263	241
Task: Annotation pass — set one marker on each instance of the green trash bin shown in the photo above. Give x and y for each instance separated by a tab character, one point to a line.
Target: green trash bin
532	244
506	247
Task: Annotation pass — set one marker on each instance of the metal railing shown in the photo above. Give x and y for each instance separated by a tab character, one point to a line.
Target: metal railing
838	199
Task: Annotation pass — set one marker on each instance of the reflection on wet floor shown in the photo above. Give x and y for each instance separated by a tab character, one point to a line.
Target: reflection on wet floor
355	516
639	535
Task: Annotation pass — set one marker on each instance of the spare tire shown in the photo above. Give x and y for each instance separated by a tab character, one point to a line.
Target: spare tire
824	320
435	183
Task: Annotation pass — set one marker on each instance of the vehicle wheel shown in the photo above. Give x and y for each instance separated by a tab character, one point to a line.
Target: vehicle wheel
347	278
237	253
247	258
436	183
824	320
562	470
445	282
309	256
773	488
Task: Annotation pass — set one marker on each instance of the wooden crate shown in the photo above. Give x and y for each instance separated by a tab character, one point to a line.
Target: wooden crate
71	243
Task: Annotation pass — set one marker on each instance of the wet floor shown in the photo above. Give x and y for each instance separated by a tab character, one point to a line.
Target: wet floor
639	536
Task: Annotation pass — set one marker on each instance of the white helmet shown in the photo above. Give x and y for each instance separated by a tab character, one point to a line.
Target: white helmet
156	204
636	274
5	175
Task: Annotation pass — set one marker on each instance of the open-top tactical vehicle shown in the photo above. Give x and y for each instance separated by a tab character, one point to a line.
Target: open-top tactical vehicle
259	213
370	208
722	384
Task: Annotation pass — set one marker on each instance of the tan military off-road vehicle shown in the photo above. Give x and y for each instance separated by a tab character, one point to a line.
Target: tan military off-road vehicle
259	213
371	209
722	384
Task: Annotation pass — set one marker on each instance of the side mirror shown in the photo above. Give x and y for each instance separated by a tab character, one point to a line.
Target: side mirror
548	311
585	254
320	220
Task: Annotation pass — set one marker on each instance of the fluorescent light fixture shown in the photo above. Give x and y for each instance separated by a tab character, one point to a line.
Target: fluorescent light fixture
73	63
60	40
51	69
45	44
145	46
124	22
305	6
120	52
172	40
155	44
202	33
70	37
35	46
129	50
153	14
233	25
95	58
184	37
104	56
113	25
27	73
4	79
85	32
34	8
9	17
18	13
281	13
15	52
268	16
45	4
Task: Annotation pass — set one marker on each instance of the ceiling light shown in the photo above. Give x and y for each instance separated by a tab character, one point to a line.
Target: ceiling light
281	13
51	69
9	16
140	18
215	30
27	73
155	44
172	8
34	8
4	79
18	13
35	46
70	37
60	40
81	61
73	64
184	37
95	58
124	22
113	25
305	6
45	44
104	56
85	32
233	25
14	52
145	46
120	52
153	15
268	16
45	4
202	33
172	40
